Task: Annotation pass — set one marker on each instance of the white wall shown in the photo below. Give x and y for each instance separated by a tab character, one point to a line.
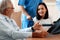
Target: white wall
15	4
53	12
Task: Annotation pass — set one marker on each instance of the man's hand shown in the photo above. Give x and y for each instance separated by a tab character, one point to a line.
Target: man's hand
40	34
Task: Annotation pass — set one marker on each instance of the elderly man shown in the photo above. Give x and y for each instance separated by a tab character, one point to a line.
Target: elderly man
9	29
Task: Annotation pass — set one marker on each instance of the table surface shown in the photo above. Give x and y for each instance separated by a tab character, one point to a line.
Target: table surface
52	37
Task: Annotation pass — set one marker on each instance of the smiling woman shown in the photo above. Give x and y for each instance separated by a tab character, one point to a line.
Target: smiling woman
42	12
42	16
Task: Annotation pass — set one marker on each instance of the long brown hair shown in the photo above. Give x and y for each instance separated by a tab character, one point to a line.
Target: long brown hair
46	14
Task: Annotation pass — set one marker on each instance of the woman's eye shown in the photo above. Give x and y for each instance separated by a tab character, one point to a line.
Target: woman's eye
41	8
38	9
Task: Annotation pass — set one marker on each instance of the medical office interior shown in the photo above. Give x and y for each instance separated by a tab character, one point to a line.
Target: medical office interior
53	13
51	4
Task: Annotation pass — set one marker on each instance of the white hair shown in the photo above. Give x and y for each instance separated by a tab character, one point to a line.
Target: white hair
4	4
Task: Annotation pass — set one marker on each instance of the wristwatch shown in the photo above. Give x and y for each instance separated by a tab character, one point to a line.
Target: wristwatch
32	29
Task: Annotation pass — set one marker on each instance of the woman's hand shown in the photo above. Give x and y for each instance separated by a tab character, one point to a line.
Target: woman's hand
37	26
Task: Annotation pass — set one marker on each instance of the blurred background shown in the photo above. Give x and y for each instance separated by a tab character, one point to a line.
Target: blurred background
51	4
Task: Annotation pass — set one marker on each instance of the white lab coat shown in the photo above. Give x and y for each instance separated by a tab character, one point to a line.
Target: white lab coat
10	31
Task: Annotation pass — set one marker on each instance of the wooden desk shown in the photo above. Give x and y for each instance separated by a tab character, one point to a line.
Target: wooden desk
52	37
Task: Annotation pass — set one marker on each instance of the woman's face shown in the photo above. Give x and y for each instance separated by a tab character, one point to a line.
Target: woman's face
41	10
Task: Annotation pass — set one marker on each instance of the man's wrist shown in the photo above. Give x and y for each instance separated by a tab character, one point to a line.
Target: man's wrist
32	29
